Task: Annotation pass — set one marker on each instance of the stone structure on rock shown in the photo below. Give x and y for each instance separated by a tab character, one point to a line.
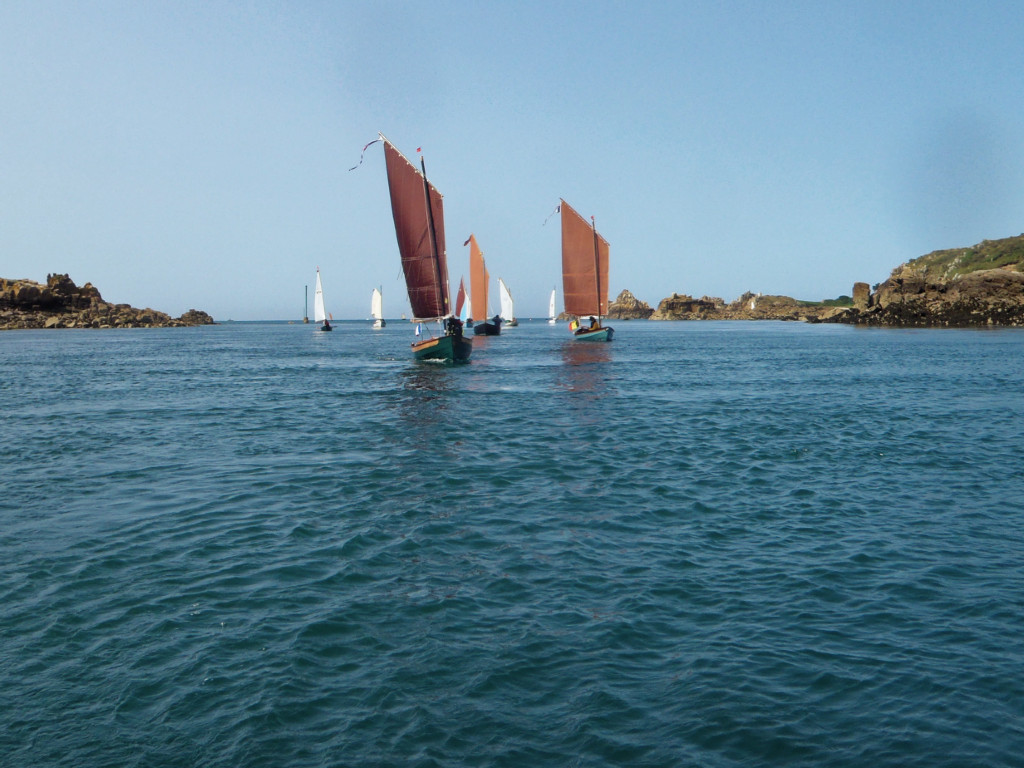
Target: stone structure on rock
62	304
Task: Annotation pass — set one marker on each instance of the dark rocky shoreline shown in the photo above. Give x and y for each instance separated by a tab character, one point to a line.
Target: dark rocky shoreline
25	304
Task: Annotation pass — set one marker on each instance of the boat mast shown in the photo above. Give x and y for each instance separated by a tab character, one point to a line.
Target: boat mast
597	268
305	317
433	233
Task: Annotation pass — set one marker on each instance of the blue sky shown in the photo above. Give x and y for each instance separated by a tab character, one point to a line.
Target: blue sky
196	154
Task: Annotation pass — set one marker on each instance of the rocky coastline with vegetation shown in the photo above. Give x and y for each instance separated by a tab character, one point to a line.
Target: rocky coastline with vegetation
60	303
982	285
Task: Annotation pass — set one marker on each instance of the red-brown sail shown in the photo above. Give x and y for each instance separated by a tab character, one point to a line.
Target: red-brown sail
585	256
478	281
419	226
460	298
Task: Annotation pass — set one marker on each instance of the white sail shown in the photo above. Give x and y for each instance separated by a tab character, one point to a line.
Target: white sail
376	305
551	308
507	309
319	315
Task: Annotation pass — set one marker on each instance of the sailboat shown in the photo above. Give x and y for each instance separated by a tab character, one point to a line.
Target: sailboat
585	257
461	304
551	308
508	313
478	280
418	211
377	308
319	316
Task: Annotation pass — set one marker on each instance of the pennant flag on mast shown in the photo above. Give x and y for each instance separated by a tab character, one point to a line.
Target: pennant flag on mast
364	152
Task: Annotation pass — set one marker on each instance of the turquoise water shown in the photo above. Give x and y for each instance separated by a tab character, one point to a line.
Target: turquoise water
713	544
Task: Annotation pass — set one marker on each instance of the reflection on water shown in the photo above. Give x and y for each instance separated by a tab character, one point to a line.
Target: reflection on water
584	367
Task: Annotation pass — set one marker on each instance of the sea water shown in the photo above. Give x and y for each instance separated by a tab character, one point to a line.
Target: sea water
709	543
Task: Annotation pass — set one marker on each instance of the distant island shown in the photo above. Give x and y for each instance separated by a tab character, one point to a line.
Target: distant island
62	304
982	285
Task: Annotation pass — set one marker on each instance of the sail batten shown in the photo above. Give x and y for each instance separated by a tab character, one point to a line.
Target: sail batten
585	257
418	211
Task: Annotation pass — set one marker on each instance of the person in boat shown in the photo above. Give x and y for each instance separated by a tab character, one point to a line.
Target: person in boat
496	319
327	324
453	326
593	323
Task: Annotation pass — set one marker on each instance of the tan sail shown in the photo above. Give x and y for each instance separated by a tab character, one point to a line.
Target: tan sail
585	257
419	226
479	278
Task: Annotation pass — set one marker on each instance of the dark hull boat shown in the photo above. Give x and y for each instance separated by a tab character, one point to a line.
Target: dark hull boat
488	328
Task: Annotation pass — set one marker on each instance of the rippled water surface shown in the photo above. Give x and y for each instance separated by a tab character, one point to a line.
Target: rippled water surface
713	544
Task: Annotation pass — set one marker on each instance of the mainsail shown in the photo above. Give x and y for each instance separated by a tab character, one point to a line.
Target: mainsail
551	307
319	315
478	280
507	307
585	257
460	301
377	305
419	225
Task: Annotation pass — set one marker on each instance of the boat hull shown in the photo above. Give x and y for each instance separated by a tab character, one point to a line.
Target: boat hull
604	333
487	329
379	323
452	349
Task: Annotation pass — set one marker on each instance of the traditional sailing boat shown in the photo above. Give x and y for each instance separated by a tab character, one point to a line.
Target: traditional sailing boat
319	316
508	313
377	308
418	211
585	257
551	308
461	305
478	280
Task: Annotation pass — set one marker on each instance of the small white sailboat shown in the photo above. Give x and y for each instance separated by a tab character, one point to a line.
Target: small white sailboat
508	313
551	308
377	308
319	315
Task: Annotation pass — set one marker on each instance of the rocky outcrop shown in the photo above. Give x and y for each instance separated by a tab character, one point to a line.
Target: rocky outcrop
961	287
749	306
628	307
911	299
62	304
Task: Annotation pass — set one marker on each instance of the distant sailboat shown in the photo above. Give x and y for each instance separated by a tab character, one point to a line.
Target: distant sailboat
319	316
377	308
551	308
585	257
418	211
478	280
461	303
508	312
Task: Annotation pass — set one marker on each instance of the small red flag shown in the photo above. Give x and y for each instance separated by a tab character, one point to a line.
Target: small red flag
419	149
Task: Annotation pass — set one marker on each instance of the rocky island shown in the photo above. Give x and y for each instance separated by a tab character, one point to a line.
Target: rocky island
749	306
62	304
961	287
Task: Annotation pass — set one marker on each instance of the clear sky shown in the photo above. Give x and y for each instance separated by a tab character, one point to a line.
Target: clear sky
195	154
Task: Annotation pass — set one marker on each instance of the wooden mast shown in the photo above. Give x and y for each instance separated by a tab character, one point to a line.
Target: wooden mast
433	233
597	268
